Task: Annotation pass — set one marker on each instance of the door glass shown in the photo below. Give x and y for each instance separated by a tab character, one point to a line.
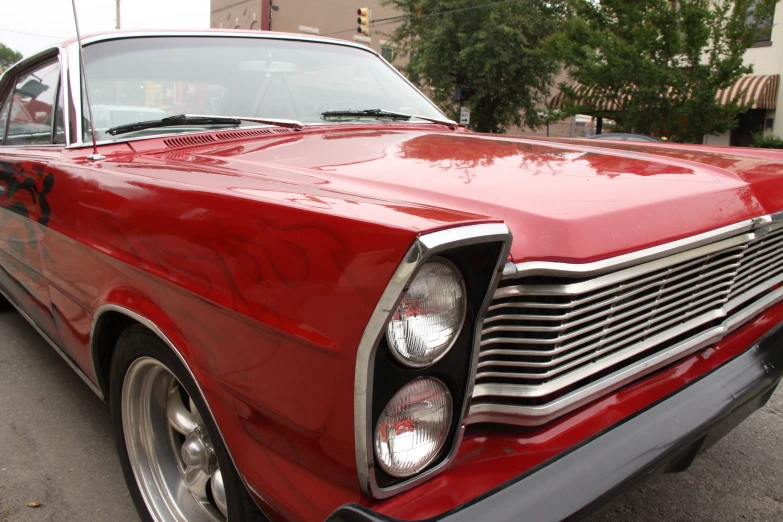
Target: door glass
32	106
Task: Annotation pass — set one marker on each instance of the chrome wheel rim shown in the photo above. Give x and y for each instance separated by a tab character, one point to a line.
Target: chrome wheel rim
170	452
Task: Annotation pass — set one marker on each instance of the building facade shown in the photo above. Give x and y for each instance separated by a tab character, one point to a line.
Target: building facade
240	14
766	57
335	18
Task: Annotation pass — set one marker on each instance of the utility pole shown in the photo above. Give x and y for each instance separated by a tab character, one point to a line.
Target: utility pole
118	14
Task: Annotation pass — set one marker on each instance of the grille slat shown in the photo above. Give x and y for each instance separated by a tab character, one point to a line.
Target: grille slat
633	307
578	305
751	282
571	365
760	271
615	297
758	260
549	338
644	326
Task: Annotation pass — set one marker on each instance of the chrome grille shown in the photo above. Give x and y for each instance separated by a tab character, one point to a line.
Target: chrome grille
554	340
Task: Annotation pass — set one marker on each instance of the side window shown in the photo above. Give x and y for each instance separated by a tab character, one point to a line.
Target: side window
32	106
4	110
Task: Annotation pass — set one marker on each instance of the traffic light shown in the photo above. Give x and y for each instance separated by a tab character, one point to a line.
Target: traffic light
463	88
458	78
463	93
365	15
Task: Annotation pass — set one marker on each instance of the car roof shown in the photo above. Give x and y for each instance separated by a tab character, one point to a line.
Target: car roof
237	33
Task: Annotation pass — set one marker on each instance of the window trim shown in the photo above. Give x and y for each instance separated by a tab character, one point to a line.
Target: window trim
8	100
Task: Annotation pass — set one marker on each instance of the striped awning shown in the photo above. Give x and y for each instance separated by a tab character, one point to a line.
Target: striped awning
585	96
760	92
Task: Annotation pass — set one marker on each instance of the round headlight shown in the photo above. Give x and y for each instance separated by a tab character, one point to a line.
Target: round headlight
413	427
430	315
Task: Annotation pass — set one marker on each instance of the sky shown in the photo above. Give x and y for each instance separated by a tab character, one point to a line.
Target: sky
29	26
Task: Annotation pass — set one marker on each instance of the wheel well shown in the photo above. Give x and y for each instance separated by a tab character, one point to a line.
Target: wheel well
107	332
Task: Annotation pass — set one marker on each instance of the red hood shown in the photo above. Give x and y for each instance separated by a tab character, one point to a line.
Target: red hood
563	200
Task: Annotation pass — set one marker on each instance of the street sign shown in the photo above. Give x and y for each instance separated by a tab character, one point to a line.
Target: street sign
464	116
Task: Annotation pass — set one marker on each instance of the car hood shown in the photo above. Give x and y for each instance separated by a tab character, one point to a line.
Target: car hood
562	200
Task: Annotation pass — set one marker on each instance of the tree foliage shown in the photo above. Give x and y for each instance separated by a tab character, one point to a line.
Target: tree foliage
497	48
767	141
661	61
8	57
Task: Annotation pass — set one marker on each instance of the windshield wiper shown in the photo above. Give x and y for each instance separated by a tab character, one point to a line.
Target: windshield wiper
200	119
382	114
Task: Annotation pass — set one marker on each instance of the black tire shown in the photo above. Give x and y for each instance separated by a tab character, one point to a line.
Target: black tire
137	341
4	304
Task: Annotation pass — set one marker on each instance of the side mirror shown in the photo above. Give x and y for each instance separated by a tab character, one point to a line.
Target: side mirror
32	88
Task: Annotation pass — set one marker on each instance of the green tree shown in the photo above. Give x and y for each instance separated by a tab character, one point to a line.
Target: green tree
496	47
661	61
8	57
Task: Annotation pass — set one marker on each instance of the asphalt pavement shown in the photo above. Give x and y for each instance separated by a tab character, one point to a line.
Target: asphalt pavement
57	450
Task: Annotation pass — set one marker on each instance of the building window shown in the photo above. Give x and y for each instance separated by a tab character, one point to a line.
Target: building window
765	26
387	51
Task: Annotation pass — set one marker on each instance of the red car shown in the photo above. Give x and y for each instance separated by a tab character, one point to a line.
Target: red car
298	290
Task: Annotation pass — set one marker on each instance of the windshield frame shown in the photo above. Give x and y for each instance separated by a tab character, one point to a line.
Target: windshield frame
71	60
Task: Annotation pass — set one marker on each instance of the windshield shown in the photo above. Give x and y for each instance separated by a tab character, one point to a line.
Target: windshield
141	79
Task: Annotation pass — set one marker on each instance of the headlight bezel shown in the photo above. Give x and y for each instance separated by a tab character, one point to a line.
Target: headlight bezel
458	330
479	251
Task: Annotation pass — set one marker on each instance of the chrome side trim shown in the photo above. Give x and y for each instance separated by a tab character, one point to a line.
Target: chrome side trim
538	415
153	328
534	268
159	333
83	376
423	248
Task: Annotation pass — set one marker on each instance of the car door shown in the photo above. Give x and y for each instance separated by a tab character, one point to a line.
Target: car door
31	135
